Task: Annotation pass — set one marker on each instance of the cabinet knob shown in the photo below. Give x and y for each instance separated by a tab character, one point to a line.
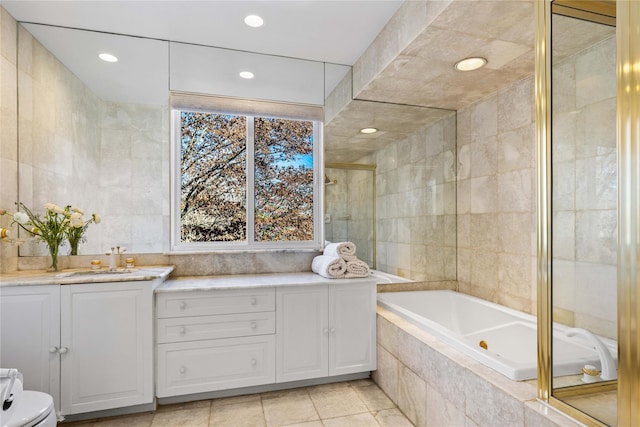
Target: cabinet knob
332	330
254	301
325	330
63	350
182	330
183	305
183	369
254	325
254	362
53	349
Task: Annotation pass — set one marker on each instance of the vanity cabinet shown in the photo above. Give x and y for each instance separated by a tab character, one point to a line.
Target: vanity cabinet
30	335
106	343
325	330
214	340
89	345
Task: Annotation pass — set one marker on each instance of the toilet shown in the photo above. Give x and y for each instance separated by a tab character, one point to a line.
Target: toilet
23	408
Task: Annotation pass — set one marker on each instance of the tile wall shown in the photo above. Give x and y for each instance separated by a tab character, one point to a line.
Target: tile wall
496	198
8	131
416	204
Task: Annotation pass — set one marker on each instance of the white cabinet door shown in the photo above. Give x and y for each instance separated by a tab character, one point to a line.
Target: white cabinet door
30	335
301	333
106	345
352	332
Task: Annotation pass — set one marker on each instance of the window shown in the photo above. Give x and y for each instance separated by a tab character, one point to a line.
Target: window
245	181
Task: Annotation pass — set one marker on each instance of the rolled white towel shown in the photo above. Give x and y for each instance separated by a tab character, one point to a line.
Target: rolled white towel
357	268
331	267
345	250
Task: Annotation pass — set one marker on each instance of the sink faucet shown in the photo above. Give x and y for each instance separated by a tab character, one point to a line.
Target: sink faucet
608	365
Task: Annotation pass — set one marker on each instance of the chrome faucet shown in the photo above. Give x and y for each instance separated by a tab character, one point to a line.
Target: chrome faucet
609	366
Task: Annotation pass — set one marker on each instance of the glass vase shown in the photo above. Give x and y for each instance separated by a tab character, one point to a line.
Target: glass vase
53	252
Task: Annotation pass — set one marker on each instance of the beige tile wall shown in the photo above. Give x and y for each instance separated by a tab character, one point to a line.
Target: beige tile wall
496	198
416	204
8	131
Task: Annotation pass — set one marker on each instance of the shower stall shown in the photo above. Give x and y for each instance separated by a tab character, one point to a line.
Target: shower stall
350	208
588	139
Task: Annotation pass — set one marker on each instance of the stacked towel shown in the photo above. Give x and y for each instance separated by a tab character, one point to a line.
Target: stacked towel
344	250
339	261
329	266
357	268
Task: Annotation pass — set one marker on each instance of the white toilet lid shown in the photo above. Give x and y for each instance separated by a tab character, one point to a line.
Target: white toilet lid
32	408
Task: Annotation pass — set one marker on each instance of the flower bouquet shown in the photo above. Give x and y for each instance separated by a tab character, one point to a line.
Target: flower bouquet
54	228
77	227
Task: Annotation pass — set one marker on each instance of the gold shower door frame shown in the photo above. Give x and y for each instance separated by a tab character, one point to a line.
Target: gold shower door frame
627	15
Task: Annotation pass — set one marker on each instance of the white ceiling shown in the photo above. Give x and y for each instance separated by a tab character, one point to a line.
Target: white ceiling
327	31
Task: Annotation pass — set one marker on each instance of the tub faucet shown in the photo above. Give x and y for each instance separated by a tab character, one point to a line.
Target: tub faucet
607	363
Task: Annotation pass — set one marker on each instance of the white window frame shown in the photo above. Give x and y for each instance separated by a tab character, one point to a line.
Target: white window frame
249	109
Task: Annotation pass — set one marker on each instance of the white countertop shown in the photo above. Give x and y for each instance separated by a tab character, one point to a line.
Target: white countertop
84	275
245	281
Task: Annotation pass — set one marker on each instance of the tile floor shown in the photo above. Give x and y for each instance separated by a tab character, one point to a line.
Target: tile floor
347	404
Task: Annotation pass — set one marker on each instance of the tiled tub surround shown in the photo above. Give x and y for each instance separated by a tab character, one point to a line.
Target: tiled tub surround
499	337
435	385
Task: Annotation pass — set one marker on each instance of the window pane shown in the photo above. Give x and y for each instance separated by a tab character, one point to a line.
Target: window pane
283	180
213	177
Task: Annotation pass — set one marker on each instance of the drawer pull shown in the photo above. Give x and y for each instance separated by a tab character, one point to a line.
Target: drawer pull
254	362
254	301
183	305
183	369
182	330
254	325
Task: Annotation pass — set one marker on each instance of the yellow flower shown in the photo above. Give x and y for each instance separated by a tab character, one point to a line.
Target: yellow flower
35	230
96	218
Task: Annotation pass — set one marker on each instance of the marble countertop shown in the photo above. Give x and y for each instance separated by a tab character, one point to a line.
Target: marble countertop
245	281
78	276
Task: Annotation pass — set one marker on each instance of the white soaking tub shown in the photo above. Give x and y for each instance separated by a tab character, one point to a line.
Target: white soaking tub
388	278
469	324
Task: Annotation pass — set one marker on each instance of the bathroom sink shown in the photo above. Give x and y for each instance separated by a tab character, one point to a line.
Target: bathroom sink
100	271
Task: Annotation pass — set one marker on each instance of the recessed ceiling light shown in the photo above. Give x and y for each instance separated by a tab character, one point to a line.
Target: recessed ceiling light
470	64
107	57
246	74
254	21
368	130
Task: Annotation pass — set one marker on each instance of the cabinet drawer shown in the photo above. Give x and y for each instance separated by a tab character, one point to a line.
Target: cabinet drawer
201	366
178	329
212	302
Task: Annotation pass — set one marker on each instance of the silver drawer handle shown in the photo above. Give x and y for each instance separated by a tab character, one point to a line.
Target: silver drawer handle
254	362
183	330
254	301
254	325
183	305
183	369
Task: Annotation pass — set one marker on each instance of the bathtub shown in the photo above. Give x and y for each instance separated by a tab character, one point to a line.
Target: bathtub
470	324
385	278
